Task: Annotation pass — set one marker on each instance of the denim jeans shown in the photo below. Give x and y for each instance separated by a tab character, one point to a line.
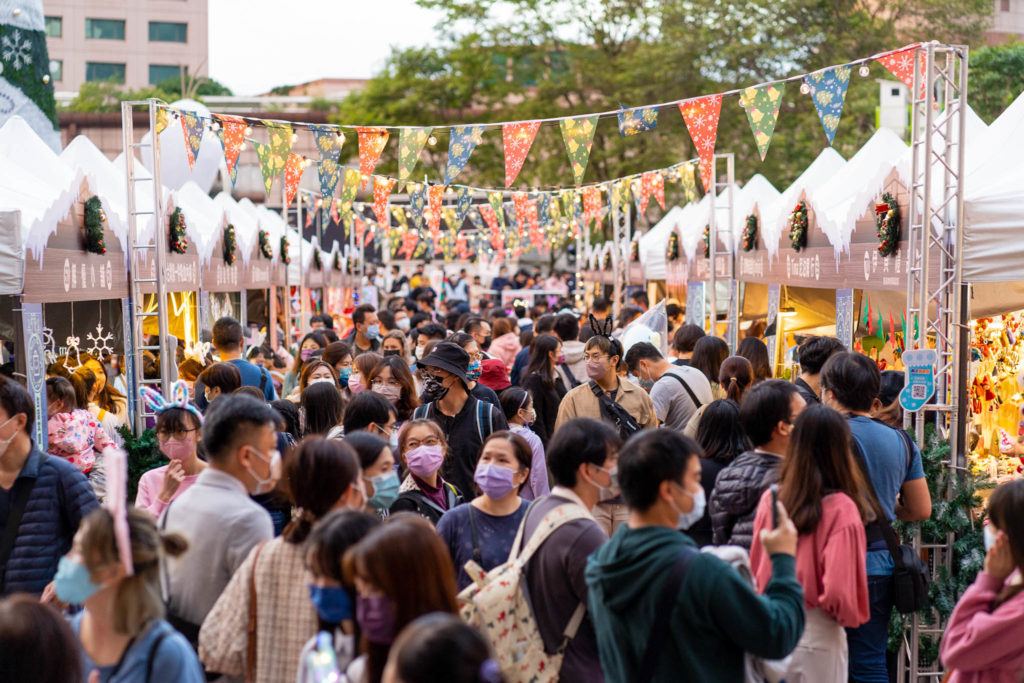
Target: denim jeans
868	642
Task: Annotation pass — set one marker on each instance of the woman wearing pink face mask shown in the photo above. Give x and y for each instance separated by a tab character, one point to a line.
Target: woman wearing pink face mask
392	380
178	427
422	449
362	366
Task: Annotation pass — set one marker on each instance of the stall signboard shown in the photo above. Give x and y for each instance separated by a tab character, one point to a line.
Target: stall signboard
35	367
218	276
262	272
317	277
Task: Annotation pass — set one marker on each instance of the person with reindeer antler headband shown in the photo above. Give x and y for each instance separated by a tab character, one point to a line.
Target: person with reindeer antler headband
610	398
177	430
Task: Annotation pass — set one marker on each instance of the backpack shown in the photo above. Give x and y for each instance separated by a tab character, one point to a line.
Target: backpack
484	414
496	604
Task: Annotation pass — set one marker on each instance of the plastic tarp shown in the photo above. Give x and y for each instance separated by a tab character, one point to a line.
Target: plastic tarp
653	244
774	216
12	256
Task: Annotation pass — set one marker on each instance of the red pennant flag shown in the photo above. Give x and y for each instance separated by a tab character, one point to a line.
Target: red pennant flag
232	136
659	189
591	204
371	144
433	215
292	175
335	216
409	241
518	138
382	187
360	229
536	234
310	213
647	188
519	201
701	118
901	65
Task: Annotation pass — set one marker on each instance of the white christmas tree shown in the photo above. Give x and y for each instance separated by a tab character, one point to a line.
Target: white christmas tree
25	87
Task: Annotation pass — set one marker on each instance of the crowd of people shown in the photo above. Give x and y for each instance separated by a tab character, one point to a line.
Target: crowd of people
342	511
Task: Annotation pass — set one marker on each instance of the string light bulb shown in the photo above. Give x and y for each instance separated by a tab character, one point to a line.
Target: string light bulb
864	71
805	89
432	140
295	138
241	147
248	130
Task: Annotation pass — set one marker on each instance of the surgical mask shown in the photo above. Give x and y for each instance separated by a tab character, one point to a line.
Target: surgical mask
333	603
391	352
423	461
343	376
560	360
433	389
475	370
596	369
178	449
688	519
373	332
306	354
5	443
494	480
989	533
417	352
266	485
403	324
530	417
72	582
321	379
391	393
385	490
355	383
612	490
376	617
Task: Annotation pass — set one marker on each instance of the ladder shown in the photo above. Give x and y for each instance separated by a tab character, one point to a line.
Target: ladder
139	256
720	224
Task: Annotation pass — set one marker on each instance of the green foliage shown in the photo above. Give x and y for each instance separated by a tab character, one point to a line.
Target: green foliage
282	90
996	78
103	96
954	499
323	104
143	455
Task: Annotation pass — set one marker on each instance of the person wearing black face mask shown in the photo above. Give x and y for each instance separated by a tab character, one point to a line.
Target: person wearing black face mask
465	421
480	330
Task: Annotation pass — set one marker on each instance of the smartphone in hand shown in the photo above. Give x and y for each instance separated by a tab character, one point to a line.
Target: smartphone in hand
775	505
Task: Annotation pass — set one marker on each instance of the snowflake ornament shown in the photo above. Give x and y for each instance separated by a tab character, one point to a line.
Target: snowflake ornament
16	49
72	343
49	346
100	343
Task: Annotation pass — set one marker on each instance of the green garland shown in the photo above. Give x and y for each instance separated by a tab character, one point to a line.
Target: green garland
94	218
229	244
337	261
317	261
672	250
606	261
265	245
798	227
634	251
707	241
887	220
179	243
284	251
750	234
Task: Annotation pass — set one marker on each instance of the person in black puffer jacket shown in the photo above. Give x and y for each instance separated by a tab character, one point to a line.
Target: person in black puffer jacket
767	415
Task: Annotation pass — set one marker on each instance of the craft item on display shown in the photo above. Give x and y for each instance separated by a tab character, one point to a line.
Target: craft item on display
101	347
798	226
517	139
94	219
637	120
920	384
410	143
701	118
578	134
179	243
750	233
887	220
229	244
461	143
762	107
284	251
828	91
371	143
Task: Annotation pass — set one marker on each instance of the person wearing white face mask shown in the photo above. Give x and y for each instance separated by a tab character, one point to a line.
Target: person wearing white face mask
216	514
321	475
661	607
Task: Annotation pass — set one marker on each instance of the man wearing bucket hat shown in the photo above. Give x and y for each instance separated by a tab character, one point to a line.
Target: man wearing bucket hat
465	421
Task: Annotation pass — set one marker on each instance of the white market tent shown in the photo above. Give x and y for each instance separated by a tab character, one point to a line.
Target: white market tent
775	215
654	241
758	191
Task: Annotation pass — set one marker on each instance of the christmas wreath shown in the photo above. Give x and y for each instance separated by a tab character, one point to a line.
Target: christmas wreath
750	233
179	243
606	261
284	251
337	261
672	250
229	244
94	218
634	251
317	261
798	227
707	241
887	220
265	245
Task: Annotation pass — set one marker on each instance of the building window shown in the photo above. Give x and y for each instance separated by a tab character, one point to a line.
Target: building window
1004	6
168	32
104	29
56	70
158	73
54	27
104	71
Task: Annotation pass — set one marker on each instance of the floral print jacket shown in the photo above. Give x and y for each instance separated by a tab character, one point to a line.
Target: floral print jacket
77	437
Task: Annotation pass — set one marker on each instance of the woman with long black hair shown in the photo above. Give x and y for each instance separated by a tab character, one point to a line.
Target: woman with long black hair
544	384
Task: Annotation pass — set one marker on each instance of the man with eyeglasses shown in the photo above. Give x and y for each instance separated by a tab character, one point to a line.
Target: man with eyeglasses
465	421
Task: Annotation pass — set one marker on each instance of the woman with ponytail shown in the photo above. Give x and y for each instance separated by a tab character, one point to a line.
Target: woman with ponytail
735	376
121	628
320	475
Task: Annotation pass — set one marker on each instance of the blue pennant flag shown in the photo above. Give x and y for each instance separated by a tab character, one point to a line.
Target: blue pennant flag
463	197
638	120
828	91
461	143
417	201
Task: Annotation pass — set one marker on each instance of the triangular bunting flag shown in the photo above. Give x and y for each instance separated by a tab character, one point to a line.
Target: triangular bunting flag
639	120
519	200
292	175
491	217
901	65
329	140
543	208
688	181
659	189
193	128
329	173
371	144
578	135
232	137
350	187
494	199
417	201
636	187
591	204
828	91
410	144
280	142
463	197
382	187
435	193
461	143
268	166
762	105
335	216
162	120
646	189
517	139
701	118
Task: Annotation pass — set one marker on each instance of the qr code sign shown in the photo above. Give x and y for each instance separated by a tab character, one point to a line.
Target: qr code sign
919	391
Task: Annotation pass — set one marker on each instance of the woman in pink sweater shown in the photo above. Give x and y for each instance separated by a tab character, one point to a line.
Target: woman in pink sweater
822	488
505	344
984	640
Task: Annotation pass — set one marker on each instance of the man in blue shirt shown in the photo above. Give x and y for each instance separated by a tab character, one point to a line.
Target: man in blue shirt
228	340
850	383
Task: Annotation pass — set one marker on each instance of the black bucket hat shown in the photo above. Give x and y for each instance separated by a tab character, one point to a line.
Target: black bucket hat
448	356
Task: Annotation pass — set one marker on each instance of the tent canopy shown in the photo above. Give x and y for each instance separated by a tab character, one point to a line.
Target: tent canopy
774	216
653	244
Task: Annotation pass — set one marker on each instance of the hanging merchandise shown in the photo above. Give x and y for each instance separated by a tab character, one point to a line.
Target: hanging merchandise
887	220
178	241
100	341
229	244
94	219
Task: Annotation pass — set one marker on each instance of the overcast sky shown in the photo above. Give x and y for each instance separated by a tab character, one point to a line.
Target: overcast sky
258	44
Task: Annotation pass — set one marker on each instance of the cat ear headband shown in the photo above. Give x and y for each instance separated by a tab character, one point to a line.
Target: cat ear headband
199	352
179	399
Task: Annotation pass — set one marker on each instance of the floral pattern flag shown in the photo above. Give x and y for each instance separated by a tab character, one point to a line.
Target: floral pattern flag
292	175
638	120
417	202
461	143
435	193
267	166
382	187
828	91
543	200
193	128
701	118
329	173
762	106
688	181
494	199
517	138
591	204
463	197
232	137
901	65
578	135
162	120
329	140
350	187
371	143
410	144
280	143
519	200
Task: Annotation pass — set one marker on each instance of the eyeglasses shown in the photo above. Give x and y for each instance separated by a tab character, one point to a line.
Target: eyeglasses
429	441
595	357
181	435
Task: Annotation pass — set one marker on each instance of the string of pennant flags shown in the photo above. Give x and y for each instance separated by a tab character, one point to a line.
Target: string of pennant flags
576	205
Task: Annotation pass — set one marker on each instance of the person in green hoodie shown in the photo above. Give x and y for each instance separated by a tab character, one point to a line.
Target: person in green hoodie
714	616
